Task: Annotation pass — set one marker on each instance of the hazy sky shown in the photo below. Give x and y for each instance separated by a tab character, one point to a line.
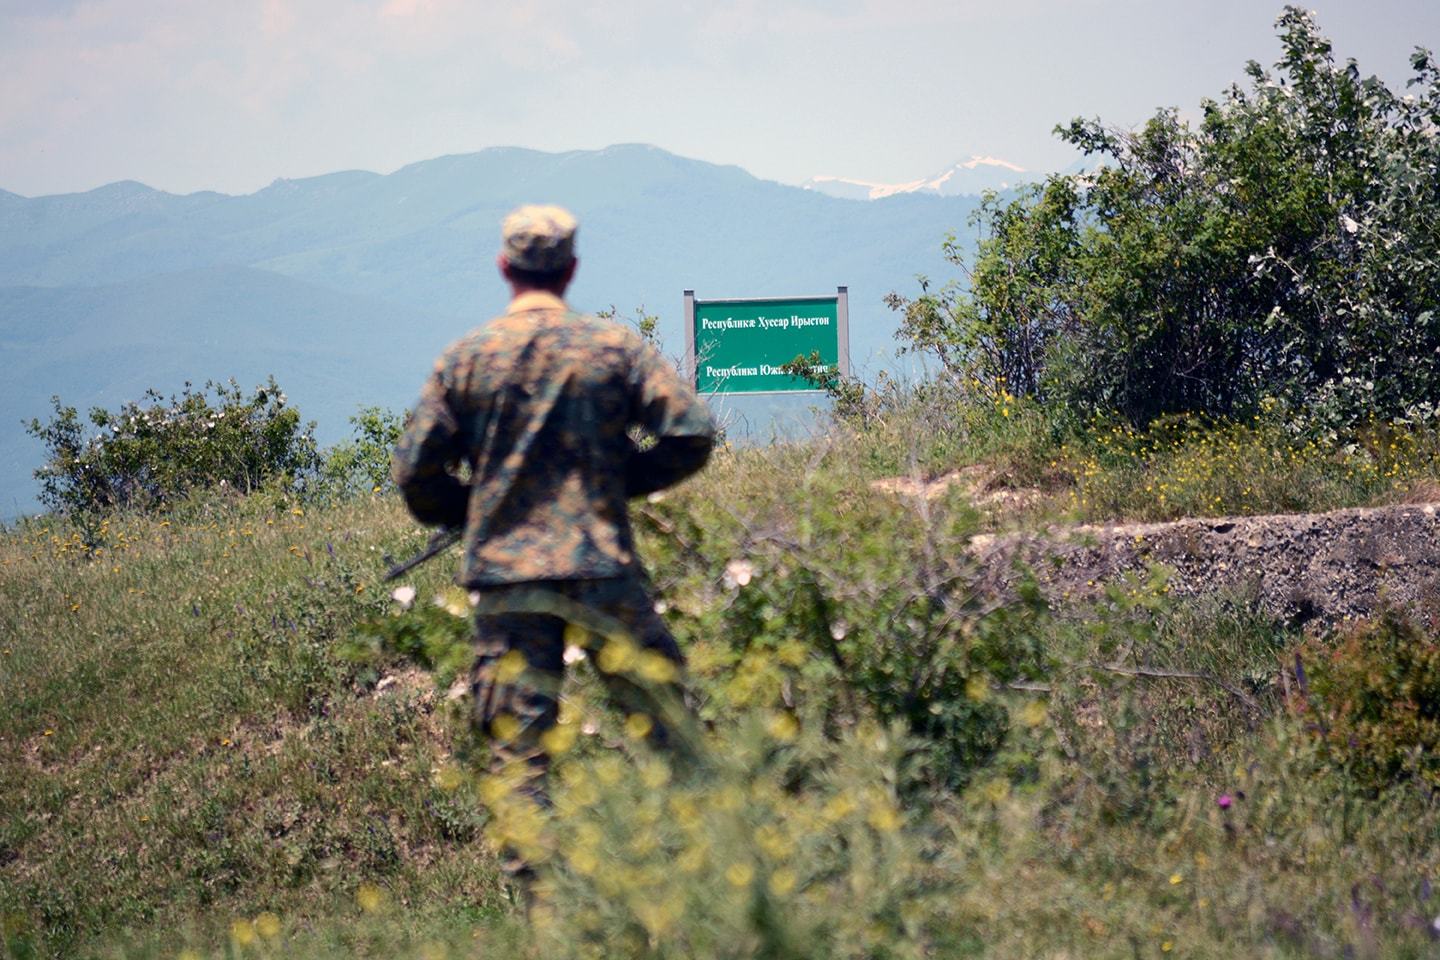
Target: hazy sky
187	95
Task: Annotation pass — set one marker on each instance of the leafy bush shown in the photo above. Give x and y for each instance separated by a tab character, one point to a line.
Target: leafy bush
792	846
150	453
362	463
845	600
437	636
1283	247
787	838
1372	694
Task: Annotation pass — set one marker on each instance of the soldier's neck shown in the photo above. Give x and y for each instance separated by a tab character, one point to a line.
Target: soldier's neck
535	298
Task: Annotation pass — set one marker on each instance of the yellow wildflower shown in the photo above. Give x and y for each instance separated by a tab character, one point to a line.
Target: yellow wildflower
656	668
559	738
782	882
583	861
505	726
1033	713
783	726
740	874
242	933
370	898
638	726
509	667
884	817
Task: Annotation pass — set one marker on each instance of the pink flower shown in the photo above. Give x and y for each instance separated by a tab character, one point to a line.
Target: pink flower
1224	801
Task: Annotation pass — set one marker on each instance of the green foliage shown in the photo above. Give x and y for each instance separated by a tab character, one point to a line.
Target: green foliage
189	737
793	844
849	396
362	464
998	335
1373	697
851	596
437	636
645	323
1284	247
148	454
1183	466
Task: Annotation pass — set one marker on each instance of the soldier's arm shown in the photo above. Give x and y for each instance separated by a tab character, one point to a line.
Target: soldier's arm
427	454
683	429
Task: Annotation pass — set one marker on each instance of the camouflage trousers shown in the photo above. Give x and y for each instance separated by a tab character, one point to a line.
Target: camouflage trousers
522	632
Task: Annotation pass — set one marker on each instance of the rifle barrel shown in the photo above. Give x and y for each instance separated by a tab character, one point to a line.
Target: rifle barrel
441	541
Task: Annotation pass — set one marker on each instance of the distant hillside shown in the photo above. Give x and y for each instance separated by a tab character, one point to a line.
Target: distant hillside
345	285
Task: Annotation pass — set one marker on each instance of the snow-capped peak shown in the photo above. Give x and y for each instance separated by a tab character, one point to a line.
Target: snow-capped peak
968	177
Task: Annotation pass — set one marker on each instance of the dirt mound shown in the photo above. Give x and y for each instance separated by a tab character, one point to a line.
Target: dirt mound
986	488
1306	567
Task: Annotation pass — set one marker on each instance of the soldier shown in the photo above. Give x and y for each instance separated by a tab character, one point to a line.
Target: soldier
539	403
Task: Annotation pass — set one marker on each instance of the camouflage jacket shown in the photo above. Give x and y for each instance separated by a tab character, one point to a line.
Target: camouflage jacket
539	403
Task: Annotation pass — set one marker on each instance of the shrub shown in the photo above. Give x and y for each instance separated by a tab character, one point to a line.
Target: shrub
362	463
846	600
1282	247
1372	695
437	636
149	453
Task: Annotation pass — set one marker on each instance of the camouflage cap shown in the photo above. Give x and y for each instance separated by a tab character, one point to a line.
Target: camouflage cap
539	238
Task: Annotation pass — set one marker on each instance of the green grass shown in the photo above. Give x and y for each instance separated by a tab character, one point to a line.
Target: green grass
188	762
180	731
1109	470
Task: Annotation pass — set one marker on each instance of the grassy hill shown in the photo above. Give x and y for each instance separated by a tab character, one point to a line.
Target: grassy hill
903	762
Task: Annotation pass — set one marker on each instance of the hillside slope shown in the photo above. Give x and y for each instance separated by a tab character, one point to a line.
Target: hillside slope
194	760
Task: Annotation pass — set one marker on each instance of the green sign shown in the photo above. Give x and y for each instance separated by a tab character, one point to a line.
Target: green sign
741	346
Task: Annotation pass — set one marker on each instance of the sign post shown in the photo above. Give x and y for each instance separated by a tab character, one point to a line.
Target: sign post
741	345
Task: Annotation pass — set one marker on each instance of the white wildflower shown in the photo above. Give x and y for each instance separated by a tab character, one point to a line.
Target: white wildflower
574	654
838	629
738	573
1349	224
405	596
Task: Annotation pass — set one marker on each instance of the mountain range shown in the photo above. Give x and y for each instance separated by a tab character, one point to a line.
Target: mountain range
345	286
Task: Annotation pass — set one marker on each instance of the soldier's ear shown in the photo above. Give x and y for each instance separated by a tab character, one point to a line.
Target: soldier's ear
503	265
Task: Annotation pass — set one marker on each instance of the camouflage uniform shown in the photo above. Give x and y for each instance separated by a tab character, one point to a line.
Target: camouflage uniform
538	403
